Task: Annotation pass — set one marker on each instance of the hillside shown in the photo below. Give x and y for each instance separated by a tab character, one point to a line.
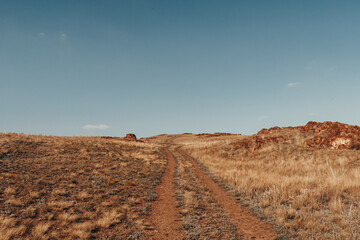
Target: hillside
281	183
76	187
304	180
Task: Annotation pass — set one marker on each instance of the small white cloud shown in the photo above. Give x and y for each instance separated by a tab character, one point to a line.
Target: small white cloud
100	127
42	34
63	36
294	84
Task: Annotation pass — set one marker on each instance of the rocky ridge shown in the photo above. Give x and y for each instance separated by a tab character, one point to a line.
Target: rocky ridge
331	135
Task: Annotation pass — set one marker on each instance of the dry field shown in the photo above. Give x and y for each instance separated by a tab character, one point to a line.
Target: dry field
304	192
282	183
76	187
109	188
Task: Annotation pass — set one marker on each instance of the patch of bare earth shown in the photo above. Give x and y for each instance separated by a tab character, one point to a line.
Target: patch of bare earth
164	214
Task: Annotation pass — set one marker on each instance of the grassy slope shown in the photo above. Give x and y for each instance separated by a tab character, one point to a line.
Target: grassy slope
76	187
307	193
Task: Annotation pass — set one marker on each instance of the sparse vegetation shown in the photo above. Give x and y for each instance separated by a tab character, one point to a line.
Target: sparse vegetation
76	187
103	188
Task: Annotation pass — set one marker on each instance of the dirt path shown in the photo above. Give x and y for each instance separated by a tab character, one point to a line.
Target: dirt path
164	214
248	226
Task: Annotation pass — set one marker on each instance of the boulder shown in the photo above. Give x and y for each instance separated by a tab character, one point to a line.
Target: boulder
130	137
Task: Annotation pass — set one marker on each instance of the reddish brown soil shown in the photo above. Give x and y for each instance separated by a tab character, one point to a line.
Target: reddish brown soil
248	226
164	214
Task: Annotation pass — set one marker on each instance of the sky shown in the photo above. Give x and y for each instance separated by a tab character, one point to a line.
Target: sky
106	67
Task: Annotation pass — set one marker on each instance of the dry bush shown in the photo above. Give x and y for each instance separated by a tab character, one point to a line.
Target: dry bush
110	218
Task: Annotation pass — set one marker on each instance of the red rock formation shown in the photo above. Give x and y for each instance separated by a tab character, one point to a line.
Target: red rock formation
269	131
332	135
130	137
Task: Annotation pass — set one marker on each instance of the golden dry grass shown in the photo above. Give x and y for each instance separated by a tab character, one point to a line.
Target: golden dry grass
306	193
200	214
96	188
76	187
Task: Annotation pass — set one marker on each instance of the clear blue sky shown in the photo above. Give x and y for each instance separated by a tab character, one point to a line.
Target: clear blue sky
152	67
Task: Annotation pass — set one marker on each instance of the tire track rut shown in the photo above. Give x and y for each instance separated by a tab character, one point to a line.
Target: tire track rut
211	213
164	214
248	226
201	215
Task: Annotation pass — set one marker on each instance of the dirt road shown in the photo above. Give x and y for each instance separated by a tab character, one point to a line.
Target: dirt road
164	213
190	205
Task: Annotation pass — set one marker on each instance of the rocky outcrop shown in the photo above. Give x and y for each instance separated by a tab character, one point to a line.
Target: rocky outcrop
332	135
130	137
269	131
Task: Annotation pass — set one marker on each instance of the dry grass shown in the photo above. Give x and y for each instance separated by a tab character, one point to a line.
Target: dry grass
200	214
110	218
76	187
10	190
95	188
307	193
40	229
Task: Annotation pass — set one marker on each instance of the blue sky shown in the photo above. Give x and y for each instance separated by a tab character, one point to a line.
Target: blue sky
151	67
